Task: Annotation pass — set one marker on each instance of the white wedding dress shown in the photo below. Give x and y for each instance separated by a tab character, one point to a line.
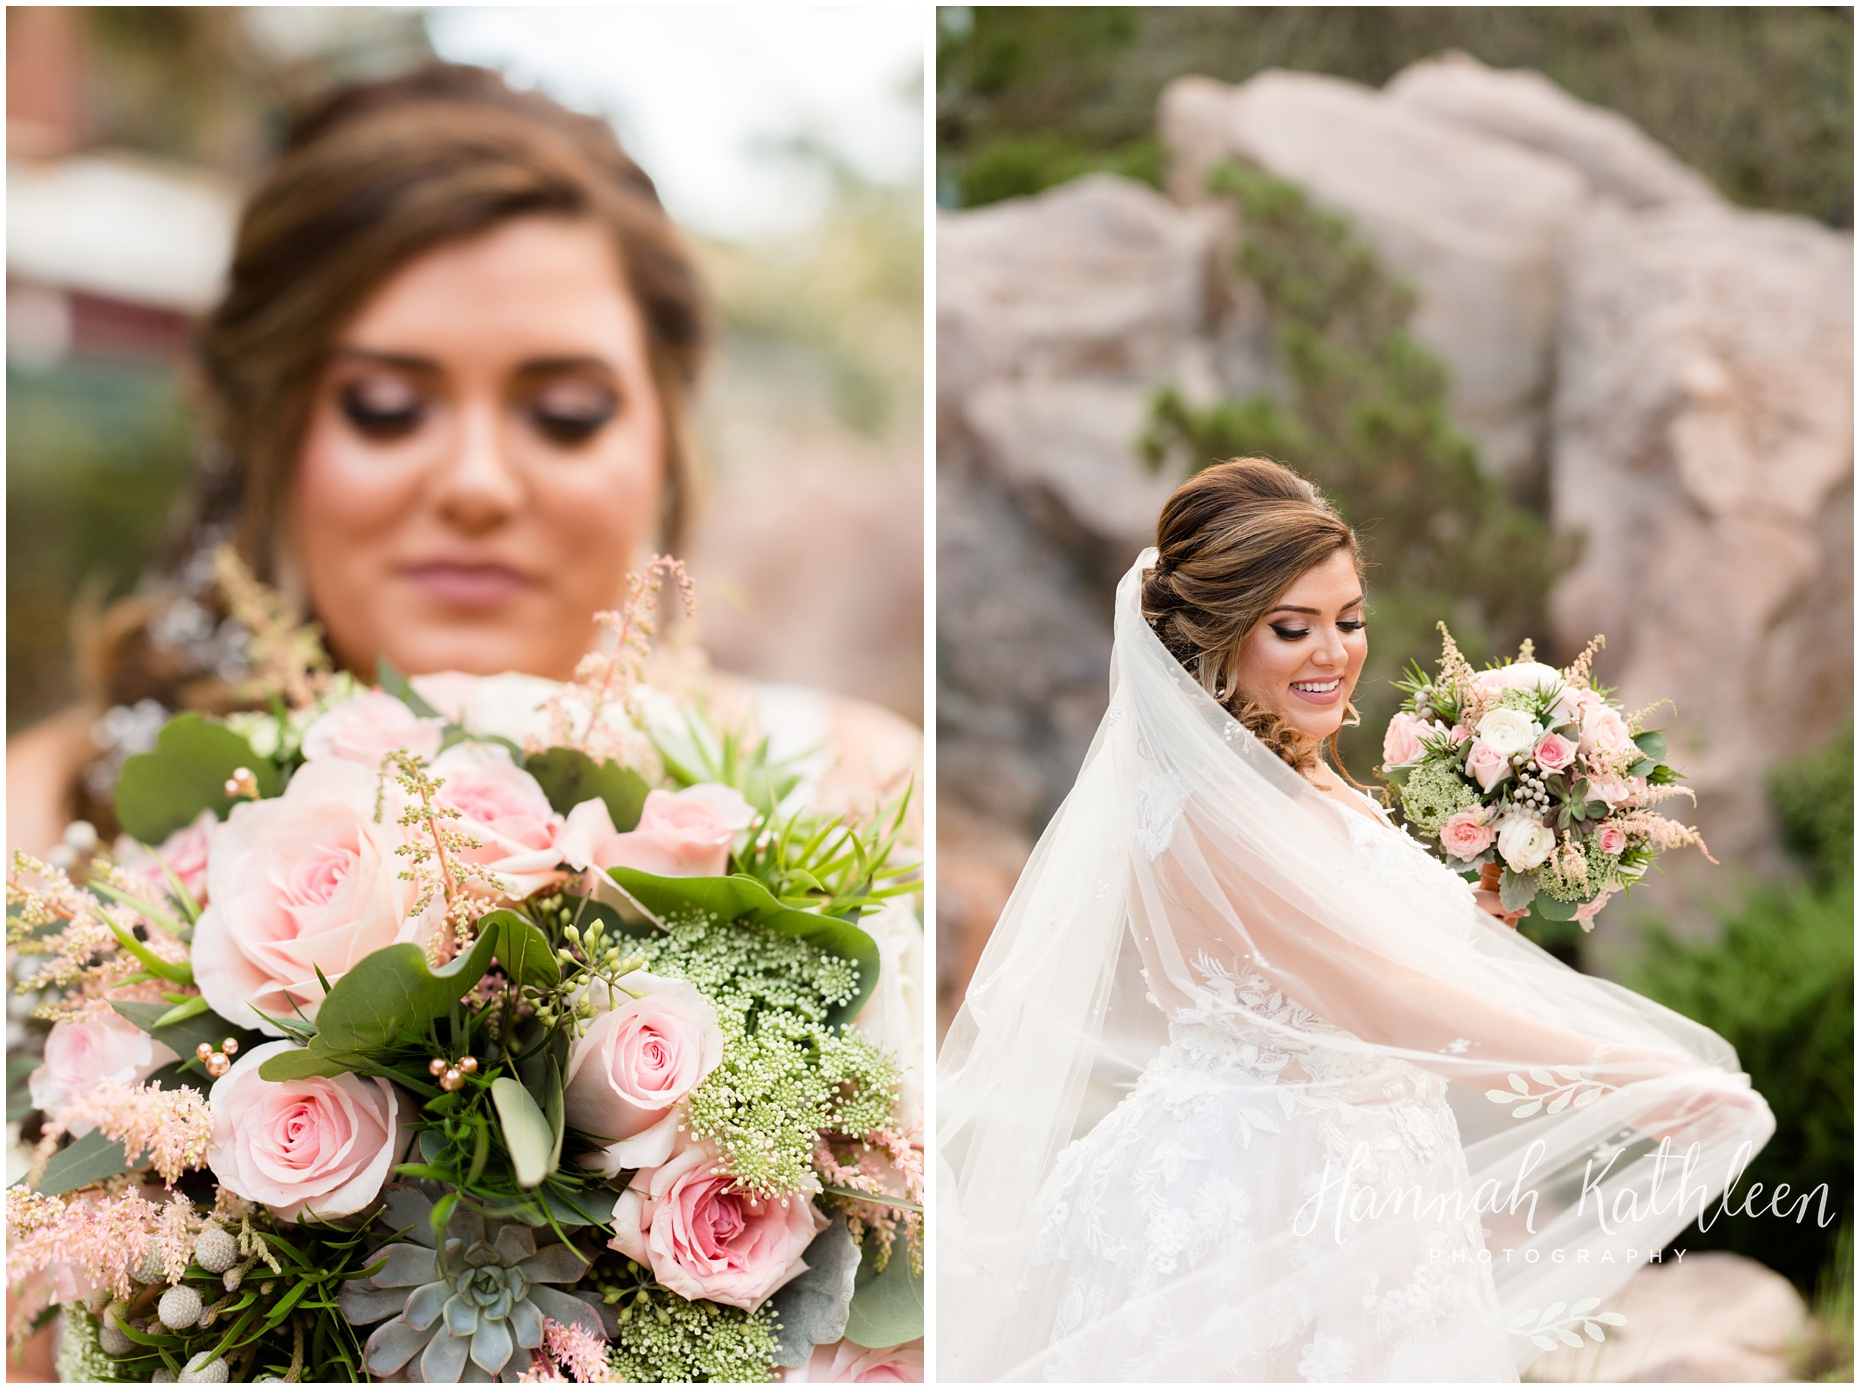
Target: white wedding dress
1218	1104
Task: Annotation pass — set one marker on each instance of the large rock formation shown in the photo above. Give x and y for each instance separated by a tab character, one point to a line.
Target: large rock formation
1670	376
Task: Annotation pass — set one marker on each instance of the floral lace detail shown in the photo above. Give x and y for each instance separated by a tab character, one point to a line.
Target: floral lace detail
1178	1177
1159	806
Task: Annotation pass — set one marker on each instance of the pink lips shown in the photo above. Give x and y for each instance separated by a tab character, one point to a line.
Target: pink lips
456	584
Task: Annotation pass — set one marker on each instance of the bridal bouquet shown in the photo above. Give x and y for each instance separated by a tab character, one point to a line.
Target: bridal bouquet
1535	777
469	1029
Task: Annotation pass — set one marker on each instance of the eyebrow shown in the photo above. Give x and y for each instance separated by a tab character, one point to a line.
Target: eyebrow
1313	612
535	366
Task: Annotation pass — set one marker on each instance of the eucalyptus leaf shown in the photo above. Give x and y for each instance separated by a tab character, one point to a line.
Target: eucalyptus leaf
163	790
1516	890
521	949
526	1131
742	899
1551	909
305	1063
394	993
91	1159
569	777
555	1112
813	1307
1652	745
887	1308
184	1036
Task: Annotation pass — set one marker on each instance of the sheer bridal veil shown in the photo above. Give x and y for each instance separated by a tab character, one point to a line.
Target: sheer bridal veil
1195	893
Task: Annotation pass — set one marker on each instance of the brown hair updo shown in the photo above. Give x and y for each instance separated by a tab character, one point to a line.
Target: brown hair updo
1231	540
372	178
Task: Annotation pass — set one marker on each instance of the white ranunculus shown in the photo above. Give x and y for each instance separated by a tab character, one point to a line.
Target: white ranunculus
1530	675
1506	731
1524	844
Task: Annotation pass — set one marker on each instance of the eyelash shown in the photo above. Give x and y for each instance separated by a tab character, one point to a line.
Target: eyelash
564	429
1285	634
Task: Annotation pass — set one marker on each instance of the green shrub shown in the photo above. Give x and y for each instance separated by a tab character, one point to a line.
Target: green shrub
1362	413
1778	986
1019	166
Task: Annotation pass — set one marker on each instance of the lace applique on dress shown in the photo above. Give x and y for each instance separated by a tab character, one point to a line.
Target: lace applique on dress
1159	807
1185	1177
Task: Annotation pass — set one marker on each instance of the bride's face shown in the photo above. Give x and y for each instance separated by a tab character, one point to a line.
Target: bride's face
485	457
1303	658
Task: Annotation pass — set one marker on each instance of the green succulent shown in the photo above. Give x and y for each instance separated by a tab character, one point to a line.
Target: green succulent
465	1309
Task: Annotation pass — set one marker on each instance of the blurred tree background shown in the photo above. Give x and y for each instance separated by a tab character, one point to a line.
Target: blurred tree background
820	364
1028	97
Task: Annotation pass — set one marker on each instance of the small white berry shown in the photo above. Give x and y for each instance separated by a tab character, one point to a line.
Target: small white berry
81	835
201	1370
179	1308
216	1250
110	1336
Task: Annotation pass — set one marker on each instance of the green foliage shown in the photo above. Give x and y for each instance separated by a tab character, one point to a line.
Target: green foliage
698	752
182	1037
1759	99
888	1304
1016	166
568	778
163	790
1363	415
827	864
534	1145
1813	798
1779	987
90	1159
787	1075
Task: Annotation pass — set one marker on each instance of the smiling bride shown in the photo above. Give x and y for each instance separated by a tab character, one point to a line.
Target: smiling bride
1220	1103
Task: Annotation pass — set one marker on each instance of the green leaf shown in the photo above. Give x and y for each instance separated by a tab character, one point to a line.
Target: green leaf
1644	767
812	1308
304	1063
393	682
394	993
744	899
92	1158
1552	909
1516	890
887	1308
1653	745
162	791
187	1034
568	778
181	1012
526	1131
521	949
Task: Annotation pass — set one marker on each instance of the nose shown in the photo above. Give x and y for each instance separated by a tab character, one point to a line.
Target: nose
479	489
1330	653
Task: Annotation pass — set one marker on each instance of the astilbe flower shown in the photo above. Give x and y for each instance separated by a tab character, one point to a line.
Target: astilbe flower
481	1296
883	1162
171	1128
1657	829
569	1353
93	1237
84	961
596	712
285	657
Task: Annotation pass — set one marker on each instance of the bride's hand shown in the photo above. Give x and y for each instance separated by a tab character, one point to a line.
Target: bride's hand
1488	902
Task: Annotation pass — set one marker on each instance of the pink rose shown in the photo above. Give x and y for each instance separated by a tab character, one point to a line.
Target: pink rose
704	1237
627	1074
1611	838
1554	752
1576	705
79	1056
1604	730
1401	745
318	1147
184	851
368	726
448	691
303	882
1461	733
1486	765
686	834
845	1363
1468	833
502	806
1588	911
